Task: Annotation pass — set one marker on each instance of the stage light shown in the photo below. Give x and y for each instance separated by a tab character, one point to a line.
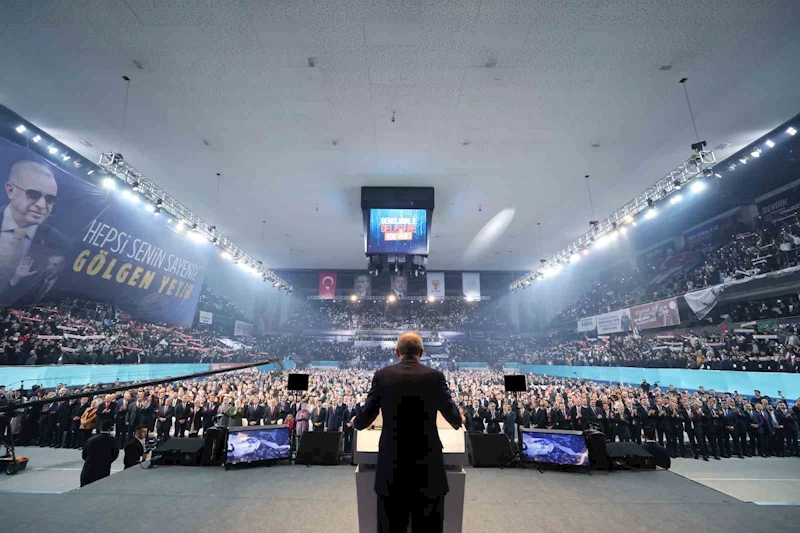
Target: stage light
602	242
353	298
225	255
574	258
791	131
392	298
743	160
275	284
628	219
135	186
169	221
36	138
676	199
149	208
157	212
698	186
769	144
585	251
613	235
467	298
52	149
90	172
65	157
20	129
159	203
127	194
179	228
109	183
198	237
650	214
756	153
431	299
677	185
623	230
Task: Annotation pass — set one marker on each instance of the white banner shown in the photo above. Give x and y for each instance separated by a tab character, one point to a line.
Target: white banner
242	329
614	322
436	284
471	284
587	323
206	317
704	300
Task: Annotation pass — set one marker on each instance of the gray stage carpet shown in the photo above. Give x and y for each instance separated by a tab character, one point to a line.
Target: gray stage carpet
297	499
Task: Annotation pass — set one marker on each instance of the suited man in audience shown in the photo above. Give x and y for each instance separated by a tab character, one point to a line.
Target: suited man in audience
133	417
181	418
585	414
209	412
164	419
147	411
318	417
787	419
272	413
493	419
478	415
106	411
730	429
523	416
348	412
98	453
253	413
121	418
776	432
539	415
509	422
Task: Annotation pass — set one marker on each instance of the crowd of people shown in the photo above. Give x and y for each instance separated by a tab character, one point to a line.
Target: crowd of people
735	255
698	423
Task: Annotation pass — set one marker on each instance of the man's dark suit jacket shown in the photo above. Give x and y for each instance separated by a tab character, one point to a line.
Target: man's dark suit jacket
98	454
539	418
410	461
133	453
493	424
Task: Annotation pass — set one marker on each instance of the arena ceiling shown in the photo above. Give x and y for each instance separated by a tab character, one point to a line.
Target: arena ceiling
498	105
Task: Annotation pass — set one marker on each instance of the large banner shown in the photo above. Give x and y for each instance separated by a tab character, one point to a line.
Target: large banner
656	314
206	317
436	284
62	236
363	286
588	323
471	284
400	286
777	204
242	329
614	322
327	284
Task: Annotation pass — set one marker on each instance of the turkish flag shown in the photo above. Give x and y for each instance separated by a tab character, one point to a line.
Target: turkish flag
327	284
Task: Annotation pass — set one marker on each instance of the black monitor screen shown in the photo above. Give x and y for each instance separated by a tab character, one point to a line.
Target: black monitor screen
297	382
515	383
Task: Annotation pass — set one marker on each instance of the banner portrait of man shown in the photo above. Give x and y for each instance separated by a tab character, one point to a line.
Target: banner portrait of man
32	252
363	286
399	286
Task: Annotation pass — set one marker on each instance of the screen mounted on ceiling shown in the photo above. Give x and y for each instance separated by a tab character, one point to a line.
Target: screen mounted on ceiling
400	231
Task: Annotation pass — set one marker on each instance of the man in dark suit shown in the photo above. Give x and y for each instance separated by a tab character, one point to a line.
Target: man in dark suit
730	430
584	415
493	419
318	415
133	418
98	453
478	415
181	418
32	252
164	419
348	412
253	413
509	423
410	477
121	419
106	411
539	416
786	418
659	453
134	449
272	413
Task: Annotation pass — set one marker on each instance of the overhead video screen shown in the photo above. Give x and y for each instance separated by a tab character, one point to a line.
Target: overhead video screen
402	231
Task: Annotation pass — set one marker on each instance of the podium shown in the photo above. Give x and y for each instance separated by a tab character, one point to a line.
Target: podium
365	455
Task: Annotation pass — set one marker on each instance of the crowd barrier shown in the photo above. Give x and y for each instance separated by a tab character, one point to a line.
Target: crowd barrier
12	377
769	383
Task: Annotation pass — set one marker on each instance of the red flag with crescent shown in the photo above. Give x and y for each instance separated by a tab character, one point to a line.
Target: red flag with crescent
327	284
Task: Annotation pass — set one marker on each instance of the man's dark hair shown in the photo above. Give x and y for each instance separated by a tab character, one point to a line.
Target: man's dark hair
649	433
141	427
107	425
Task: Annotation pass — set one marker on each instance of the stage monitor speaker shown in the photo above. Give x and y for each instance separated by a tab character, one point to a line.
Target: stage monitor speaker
596	444
490	449
179	451
319	448
629	455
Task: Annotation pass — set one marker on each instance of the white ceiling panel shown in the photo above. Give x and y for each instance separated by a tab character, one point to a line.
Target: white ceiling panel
518	134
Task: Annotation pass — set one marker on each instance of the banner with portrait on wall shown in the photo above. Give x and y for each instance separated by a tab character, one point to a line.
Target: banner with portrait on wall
63	236
656	314
362	286
614	322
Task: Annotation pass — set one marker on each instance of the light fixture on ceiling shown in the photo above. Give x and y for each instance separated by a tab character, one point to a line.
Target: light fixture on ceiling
698	186
756	153
150	208
20	129
743	160
52	149
65	157
225	255
791	131
36	138
676	198
135	186
769	143
109	183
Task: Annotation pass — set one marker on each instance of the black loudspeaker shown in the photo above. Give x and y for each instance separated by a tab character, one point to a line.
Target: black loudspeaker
214	450
596	444
319	448
176	451
629	455
490	449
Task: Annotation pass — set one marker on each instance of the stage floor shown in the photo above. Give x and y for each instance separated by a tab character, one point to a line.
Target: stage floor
299	499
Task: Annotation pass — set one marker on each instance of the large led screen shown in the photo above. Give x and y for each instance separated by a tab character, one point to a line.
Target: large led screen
565	448
400	231
246	445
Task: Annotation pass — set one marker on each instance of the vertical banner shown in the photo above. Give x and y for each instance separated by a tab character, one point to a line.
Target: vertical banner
400	286
436	284
327	284
614	322
363	286
587	323
206	317
61	236
471	283
242	329
656	314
